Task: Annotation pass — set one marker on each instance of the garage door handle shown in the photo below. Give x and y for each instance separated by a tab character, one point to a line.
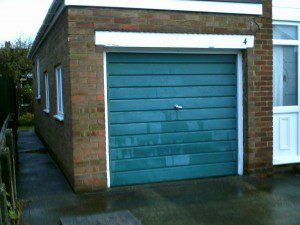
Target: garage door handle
178	106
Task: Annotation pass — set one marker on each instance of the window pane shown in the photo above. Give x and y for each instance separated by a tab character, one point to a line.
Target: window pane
47	91
61	91
57	90
285	76
285	32
38	77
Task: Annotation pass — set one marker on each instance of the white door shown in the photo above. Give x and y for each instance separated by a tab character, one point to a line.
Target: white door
285	93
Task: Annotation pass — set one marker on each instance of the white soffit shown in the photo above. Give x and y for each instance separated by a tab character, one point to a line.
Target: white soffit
175	5
286	10
167	40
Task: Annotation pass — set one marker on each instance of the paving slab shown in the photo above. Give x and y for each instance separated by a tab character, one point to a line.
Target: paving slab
231	200
113	218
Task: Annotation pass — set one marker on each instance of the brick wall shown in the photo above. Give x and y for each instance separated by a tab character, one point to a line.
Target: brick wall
87	80
57	135
258	99
83	156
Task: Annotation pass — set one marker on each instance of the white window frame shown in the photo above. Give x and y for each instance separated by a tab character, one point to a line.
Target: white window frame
292	43
289	109
59	94
38	78
47	99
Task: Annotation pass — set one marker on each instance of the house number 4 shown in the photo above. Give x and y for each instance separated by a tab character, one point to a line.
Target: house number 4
245	41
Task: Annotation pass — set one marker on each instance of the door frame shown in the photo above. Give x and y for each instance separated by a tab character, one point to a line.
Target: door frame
289	109
239	65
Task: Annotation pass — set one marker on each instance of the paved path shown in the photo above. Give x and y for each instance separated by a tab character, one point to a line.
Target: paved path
229	200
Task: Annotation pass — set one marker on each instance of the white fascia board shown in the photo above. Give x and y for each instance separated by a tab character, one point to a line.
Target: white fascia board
287	10
169	40
286	3
286	14
175	5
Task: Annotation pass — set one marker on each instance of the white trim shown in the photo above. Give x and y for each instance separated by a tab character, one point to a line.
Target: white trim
181	51
38	78
49	27
59	91
298	68
47	90
173	40
175	5
172	50
286	10
106	120
240	113
286	109
47	111
286	160
287	3
286	42
59	117
288	23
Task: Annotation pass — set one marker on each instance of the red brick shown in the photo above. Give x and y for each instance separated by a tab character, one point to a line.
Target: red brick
77	139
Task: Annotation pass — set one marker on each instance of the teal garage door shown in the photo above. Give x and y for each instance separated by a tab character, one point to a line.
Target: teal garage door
171	116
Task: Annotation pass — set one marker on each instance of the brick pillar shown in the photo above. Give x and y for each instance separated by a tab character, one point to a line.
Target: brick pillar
258	113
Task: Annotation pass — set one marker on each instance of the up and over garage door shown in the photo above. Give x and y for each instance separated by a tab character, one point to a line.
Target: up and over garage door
171	116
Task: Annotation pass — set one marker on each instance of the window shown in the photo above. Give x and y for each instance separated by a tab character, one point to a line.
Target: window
47	101
285	76
285	64
285	32
38	79
59	94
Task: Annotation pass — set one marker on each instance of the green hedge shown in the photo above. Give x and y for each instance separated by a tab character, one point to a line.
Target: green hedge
7	98
26	119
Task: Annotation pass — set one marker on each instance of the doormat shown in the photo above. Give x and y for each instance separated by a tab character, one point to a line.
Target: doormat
113	218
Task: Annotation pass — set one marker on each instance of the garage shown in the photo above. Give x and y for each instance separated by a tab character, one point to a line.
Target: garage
171	116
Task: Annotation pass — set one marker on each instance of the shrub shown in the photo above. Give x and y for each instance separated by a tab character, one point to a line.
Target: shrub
26	119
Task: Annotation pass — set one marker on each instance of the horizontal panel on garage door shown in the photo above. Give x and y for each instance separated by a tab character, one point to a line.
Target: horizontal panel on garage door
149	139
170	127
165	104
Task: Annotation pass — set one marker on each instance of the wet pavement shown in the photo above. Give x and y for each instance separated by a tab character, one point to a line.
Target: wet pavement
228	200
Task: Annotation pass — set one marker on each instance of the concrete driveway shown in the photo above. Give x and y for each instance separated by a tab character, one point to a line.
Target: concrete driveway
227	200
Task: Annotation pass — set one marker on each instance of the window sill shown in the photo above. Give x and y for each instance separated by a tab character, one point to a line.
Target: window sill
59	117
47	111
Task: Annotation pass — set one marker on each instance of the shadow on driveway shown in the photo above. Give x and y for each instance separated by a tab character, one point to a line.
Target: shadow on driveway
227	200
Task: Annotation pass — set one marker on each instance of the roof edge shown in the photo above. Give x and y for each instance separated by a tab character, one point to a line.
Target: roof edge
56	6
